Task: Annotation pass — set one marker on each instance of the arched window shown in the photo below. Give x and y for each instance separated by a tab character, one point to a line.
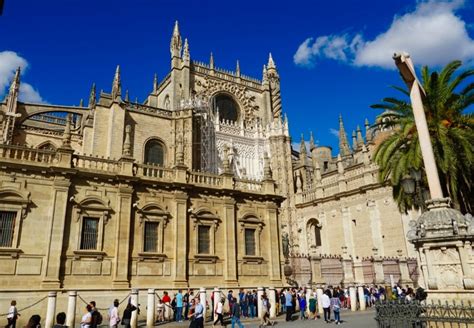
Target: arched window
154	152
47	146
227	106
313	229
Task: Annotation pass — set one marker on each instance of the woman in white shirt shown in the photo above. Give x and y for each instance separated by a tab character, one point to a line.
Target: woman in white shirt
87	317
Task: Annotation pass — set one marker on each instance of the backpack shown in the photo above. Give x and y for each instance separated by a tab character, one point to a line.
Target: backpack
96	318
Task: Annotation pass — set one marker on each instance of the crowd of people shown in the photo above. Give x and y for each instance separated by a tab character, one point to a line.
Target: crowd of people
293	302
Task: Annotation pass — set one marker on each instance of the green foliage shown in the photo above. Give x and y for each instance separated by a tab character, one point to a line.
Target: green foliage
448	96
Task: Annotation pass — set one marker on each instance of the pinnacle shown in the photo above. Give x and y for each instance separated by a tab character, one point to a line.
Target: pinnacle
271	63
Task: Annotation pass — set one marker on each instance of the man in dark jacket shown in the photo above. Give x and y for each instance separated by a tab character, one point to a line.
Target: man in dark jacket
236	313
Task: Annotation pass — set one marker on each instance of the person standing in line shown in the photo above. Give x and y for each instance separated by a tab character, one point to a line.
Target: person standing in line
251	304
336	307
87	317
12	315
302	303
265	318
34	322
288	305
160	308
312	307
235	311
326	302
186	299
60	320
114	315
219	311
197	315
179	306
283	301
127	315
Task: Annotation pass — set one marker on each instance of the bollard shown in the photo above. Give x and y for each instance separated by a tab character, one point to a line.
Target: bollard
217	299
319	293
353	298
134	302
259	301
150	309
51	311
71	309
361	298
273	301
203	300
309	292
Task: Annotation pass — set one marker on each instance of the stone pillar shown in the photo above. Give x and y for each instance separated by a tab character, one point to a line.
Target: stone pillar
315	261
55	232
273	301
464	251
353	297
134	302
51	310
217	299
203	301
361	298
319	294
358	271
309	292
150	308
274	239
71	309
230	270
347	267
122	236
378	267
259	301
180	240
403	266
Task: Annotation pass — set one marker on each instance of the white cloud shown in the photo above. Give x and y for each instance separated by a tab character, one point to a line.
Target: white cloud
296	145
9	62
334	132
432	34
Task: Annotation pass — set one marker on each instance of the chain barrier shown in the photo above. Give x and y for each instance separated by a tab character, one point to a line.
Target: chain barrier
102	309
26	307
159	298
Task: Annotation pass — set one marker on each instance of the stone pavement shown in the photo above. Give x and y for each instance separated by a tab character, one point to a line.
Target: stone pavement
364	319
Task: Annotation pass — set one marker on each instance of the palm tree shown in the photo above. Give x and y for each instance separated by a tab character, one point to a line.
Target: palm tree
448	97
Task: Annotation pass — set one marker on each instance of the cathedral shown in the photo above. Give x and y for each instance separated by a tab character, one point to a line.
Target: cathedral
197	186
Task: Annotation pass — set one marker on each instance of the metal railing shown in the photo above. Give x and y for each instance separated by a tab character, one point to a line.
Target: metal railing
398	314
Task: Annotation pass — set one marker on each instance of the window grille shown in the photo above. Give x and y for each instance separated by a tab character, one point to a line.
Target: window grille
7	228
151	237
204	239
317	235
90	233
154	153
250	242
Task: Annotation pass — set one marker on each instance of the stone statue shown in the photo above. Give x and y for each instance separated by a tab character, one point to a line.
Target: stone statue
286	245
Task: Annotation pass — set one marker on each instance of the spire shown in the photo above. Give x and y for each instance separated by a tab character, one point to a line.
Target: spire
340	166
155	83
311	141
81	103
343	144
303	153
360	139
116	86
211	61
13	92
264	75
271	63
368	134
176	43
92	97
354	140
267	171
66	142
126	96
237	68
186	54
127	145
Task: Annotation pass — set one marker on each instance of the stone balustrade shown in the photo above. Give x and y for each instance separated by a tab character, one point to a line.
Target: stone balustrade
204	179
248	185
26	154
155	172
95	163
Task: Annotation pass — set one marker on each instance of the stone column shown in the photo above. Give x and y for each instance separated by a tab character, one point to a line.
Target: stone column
403	266
432	279
464	250
259	301
353	297
271	298
180	240
347	267
55	232
273	242
122	236
71	309
203	301
150	308
319	293
217	299
51	310
378	267
361	298
358	271
309	292
230	271
134	302
315	261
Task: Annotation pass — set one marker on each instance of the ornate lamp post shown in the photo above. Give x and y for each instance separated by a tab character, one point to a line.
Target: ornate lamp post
442	236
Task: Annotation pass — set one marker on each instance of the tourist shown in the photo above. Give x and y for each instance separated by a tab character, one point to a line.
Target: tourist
230	295
179	306
326	303
166	301
235	312
197	314
219	312
96	317
283	300
243	303
277	302
114	317
288	305
336	307
60	320
160	311
255	302
12	315
87	317
265	317
127	315
302	304
312	307
251	304
35	322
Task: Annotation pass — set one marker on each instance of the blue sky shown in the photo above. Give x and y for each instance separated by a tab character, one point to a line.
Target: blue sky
333	56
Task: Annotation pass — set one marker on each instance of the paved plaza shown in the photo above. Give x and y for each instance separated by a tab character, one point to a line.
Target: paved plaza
363	319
